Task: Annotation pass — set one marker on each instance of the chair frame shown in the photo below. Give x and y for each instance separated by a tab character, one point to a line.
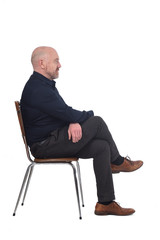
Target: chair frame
29	171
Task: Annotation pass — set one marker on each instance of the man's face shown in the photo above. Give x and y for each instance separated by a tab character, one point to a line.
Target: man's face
52	65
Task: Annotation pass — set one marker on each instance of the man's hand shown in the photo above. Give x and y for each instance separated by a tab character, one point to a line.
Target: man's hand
74	132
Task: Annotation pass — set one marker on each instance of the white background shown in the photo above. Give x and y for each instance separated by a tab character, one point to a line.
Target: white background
110	56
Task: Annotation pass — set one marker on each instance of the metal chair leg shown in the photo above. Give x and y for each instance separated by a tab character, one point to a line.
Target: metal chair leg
76	186
22	187
80	182
27	185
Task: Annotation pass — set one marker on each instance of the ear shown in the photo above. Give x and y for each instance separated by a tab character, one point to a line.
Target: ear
42	63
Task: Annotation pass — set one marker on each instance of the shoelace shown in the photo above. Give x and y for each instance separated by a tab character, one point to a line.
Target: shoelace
129	160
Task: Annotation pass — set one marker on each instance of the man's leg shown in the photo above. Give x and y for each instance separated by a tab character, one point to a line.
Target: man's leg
99	150
58	144
97	129
94	129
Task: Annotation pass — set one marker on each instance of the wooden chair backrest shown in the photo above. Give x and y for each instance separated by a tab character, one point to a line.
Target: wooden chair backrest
19	114
20	119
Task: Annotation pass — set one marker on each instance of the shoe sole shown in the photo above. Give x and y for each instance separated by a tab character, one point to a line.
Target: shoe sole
106	214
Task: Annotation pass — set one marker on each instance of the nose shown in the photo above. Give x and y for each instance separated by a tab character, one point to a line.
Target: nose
59	65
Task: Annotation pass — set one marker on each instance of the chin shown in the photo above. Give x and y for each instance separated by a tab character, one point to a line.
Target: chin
54	77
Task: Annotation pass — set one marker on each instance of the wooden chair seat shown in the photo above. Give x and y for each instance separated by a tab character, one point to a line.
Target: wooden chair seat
54	160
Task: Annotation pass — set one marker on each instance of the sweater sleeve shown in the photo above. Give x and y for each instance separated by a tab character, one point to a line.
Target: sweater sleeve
51	103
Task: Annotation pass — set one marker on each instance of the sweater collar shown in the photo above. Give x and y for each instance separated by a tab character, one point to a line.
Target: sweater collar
44	79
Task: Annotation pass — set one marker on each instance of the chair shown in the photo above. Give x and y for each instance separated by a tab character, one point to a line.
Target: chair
36	161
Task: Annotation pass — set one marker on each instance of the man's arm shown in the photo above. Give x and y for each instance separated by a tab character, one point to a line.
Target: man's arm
50	102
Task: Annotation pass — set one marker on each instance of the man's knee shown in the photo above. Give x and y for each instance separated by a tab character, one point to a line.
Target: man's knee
98	118
95	120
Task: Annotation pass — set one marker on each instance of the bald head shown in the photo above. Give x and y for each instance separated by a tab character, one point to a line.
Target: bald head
45	60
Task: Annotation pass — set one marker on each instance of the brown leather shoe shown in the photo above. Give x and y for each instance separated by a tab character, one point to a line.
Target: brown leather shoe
126	166
112	209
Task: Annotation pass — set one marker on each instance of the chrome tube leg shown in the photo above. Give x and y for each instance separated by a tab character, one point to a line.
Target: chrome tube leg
76	186
80	182
28	182
22	187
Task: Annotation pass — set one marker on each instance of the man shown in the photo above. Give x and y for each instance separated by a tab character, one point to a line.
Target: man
54	129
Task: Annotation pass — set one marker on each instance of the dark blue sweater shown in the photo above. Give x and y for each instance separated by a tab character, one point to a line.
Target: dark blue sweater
44	110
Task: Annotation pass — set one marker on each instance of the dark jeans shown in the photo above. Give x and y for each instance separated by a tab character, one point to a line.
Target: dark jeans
96	143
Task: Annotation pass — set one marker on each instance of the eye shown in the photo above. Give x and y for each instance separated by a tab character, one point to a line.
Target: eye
57	60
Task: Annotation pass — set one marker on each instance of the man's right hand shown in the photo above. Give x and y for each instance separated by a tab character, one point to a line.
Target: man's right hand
74	132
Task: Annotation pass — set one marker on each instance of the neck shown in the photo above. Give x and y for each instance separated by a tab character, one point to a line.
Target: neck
43	73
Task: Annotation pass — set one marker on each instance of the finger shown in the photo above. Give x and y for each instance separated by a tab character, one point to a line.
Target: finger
79	135
69	135
74	140
74	137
